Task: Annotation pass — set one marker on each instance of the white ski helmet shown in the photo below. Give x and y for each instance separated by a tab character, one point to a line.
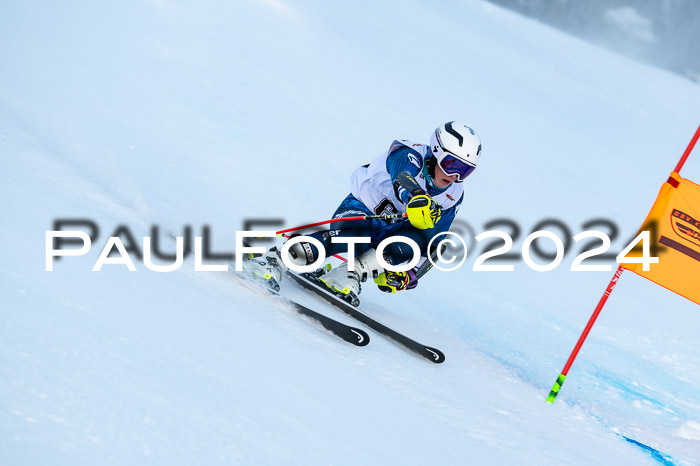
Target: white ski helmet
456	147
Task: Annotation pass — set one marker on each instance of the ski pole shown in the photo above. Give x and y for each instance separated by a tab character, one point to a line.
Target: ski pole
343	219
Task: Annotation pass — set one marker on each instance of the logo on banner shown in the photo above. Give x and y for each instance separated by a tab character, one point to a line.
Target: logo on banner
686	227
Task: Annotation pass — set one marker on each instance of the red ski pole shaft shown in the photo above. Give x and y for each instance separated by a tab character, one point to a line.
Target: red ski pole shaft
342	219
334	255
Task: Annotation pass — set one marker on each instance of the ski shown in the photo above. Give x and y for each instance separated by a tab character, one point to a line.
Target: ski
353	335
309	282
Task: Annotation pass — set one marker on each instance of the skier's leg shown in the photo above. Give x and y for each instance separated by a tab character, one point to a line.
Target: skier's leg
400	252
340	279
349	207
270	266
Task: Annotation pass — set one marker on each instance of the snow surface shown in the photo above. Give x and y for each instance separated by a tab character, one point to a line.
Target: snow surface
175	112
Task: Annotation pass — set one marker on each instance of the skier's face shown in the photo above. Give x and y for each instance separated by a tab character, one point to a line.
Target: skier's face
442	179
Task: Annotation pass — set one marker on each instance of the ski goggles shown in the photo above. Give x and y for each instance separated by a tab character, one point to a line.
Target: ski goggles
451	165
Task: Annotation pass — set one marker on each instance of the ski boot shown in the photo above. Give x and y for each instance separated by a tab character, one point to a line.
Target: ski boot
345	283
267	268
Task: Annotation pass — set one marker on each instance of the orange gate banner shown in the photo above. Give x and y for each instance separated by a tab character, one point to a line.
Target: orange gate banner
674	225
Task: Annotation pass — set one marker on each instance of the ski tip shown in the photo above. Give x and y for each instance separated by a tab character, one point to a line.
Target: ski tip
362	337
434	355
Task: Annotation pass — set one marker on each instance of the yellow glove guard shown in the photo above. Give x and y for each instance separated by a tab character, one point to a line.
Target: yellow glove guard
423	212
391	282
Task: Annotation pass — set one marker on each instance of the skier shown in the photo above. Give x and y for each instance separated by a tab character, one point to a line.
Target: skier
425	182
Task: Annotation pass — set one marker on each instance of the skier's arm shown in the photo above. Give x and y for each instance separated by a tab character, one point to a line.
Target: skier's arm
403	165
391	282
442	225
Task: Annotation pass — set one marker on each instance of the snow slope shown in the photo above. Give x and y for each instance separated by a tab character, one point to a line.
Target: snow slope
175	113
